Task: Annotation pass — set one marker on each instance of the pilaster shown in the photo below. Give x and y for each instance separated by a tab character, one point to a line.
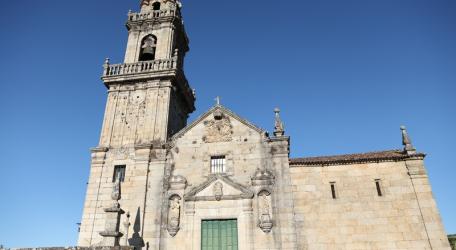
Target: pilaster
432	222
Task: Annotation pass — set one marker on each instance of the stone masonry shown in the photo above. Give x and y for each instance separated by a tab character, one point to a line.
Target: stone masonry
154	179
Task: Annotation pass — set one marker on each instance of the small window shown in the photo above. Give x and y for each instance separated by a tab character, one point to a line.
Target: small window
119	173
218	164
379	187
333	190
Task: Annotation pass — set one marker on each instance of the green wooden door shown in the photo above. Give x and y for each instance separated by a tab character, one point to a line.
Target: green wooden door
219	235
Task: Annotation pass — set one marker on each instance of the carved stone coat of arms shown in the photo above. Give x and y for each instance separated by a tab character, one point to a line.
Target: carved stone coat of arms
218	130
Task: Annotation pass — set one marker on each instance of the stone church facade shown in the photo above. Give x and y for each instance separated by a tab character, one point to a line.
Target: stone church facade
221	182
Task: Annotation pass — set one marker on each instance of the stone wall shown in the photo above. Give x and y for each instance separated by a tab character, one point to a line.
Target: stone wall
246	150
359	218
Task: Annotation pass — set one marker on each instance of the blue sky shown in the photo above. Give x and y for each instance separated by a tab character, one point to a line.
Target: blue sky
346	75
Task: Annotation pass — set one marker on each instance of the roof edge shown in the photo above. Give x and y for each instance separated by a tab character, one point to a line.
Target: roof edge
210	111
346	159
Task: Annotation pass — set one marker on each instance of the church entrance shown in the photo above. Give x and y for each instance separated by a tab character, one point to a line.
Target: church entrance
219	235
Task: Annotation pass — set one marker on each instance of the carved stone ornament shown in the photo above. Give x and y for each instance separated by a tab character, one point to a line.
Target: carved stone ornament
264	208
263	177
177	182
218	130
218	191
174	215
121	153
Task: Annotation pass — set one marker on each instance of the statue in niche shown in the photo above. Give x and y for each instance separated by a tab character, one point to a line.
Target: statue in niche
174	215
264	205
218	191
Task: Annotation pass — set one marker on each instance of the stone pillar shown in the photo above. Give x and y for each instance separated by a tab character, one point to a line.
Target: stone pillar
91	201
111	233
432	223
283	203
247	219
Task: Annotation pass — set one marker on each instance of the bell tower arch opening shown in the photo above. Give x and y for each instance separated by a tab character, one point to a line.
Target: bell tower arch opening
156	6
148	48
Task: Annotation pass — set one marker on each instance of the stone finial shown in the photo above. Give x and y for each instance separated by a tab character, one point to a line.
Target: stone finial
106	62
279	129
217	100
407	142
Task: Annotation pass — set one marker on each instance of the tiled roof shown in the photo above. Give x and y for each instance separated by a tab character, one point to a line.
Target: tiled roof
390	155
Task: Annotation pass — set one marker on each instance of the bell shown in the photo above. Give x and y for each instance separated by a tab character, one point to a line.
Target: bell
149	50
148	54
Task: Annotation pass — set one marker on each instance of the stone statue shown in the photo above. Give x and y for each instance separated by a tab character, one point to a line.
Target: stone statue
174	215
174	212
218	191
264	211
279	129
264	204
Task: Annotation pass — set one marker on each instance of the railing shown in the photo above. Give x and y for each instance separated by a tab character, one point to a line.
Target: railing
150	15
139	67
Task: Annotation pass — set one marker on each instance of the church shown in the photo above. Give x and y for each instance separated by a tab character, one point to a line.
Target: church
220	182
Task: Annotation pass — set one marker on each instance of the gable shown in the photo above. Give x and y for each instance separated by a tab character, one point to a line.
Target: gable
219	123
218	187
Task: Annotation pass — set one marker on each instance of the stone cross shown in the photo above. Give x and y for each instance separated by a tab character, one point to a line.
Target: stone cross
217	100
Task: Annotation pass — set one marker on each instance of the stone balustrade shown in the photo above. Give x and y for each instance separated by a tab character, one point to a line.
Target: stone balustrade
139	67
133	17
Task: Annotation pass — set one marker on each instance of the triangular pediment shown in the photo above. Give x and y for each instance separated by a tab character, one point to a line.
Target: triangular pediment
218	187
218	110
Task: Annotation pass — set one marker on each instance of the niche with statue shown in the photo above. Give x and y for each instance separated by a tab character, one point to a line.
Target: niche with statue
174	211
264	211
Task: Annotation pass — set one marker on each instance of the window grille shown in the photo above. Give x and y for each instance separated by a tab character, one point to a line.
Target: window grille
218	164
119	173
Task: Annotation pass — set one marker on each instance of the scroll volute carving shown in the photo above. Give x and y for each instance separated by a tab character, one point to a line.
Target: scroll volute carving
174	212
264	211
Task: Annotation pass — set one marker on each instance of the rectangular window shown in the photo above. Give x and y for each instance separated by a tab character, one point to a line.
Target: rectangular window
119	173
218	164
379	187
333	190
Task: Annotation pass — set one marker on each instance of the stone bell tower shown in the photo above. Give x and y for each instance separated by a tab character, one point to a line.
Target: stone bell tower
149	100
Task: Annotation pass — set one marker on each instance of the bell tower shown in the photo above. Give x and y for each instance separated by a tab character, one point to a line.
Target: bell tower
149	100
149	97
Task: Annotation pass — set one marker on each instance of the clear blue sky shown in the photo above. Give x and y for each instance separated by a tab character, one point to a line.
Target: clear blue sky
346	75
